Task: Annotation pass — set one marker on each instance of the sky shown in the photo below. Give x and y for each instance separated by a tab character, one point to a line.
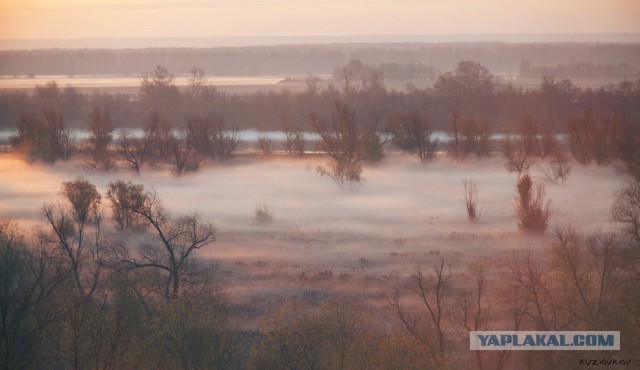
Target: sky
68	19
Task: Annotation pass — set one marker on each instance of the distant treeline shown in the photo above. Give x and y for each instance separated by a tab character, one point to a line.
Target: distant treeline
579	70
390	71
302	59
471	90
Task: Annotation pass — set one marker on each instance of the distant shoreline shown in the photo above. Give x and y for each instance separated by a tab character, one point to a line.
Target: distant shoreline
240	41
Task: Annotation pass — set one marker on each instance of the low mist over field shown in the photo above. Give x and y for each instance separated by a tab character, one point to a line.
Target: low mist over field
398	196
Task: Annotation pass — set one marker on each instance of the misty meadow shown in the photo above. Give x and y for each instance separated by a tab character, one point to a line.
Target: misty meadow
368	216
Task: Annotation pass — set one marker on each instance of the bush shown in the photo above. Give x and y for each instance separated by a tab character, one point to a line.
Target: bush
558	169
264	145
532	209
263	214
470	196
343	173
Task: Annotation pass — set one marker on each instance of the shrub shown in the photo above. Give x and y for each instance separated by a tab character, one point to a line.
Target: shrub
558	169
530	205
263	214
343	173
342	141
470	196
264	145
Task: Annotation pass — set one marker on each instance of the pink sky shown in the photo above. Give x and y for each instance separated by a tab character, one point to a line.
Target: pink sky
222	18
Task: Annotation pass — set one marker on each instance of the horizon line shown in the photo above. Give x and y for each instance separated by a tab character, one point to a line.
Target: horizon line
102	42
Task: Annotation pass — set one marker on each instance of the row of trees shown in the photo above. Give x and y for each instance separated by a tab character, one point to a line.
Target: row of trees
462	103
185	148
471	89
608	139
348	138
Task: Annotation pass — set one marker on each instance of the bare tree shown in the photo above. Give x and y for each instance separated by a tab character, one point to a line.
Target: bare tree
210	136
529	133
225	140
185	159
197	81
138	151
69	221
294	139
159	92
558	169
101	130
312	84
432	291
58	137
515	152
199	132
342	141
627	142
580	134
47	140
412	133
28	283
474	311
172	253
470	197
626	210
475	137
373	142
264	145
587	267
123	197
531	292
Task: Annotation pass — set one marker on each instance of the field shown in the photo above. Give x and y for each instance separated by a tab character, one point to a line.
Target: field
322	240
